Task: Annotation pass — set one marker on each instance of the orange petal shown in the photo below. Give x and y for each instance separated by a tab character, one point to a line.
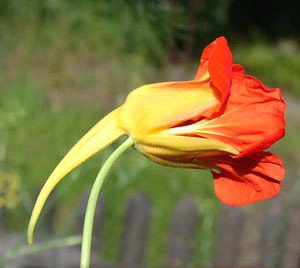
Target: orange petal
159	106
101	135
249	179
253	118
217	60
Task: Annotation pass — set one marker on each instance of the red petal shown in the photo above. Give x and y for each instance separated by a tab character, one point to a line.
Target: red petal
237	69
249	179
217	60
253	118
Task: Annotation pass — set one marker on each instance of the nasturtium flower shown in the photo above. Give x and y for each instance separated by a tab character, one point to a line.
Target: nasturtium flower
222	121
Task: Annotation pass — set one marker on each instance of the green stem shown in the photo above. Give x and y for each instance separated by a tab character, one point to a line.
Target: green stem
51	244
91	206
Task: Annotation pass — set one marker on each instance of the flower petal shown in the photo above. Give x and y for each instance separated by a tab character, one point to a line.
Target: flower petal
217	60
158	106
183	144
253	118
249	179
180	159
169	163
101	135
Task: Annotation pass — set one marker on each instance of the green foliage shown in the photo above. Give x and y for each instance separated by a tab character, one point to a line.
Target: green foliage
277	66
107	28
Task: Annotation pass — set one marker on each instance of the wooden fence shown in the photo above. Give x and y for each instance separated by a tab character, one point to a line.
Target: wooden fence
236	245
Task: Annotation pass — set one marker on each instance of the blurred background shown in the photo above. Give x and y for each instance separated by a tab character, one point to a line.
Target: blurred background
65	64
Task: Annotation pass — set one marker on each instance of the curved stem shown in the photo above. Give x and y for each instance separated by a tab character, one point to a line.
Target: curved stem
91	206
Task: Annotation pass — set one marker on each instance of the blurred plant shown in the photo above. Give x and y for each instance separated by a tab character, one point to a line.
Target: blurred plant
284	61
126	28
9	189
17	102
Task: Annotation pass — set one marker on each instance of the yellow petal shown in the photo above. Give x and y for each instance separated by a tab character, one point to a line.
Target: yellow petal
190	145
159	106
195	164
168	163
176	154
101	135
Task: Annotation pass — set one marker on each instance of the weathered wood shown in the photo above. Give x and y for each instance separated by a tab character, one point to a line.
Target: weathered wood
11	241
271	236
181	234
2	219
229	230
45	259
63	257
291	257
135	231
292	241
70	257
8	241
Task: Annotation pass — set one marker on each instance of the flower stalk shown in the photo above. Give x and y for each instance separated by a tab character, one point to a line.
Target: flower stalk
92	203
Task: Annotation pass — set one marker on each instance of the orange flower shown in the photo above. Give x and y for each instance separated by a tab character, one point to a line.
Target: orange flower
222	121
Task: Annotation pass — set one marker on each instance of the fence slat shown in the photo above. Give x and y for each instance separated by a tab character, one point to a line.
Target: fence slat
272	236
181	234
2	220
229	229
135	230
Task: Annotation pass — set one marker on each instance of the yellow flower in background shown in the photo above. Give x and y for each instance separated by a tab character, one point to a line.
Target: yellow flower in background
9	189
